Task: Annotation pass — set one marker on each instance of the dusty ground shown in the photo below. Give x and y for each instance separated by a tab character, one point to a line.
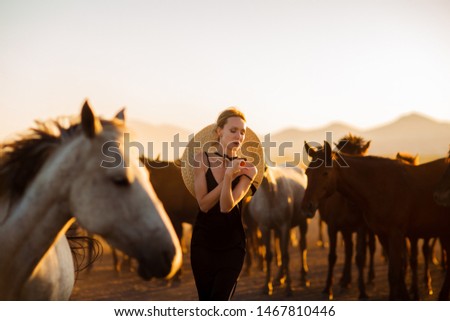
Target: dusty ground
103	283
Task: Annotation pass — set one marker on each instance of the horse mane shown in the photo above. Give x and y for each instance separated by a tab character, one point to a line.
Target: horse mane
353	142
22	158
407	158
85	248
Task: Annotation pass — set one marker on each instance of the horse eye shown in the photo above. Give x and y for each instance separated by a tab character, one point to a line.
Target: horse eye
121	181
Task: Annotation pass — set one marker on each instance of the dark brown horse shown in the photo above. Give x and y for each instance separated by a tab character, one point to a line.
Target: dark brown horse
396	199
427	246
342	215
442	191
179	204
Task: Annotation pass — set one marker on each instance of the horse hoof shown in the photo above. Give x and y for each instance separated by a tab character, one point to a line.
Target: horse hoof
370	282
176	282
345	284
267	290
363	297
247	273
289	292
305	283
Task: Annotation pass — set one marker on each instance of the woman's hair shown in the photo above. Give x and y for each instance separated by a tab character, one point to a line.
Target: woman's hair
228	113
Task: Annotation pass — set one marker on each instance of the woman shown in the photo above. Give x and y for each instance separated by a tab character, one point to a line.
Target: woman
221	180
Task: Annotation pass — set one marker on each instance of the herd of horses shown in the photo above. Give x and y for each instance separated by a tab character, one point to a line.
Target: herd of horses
50	179
397	201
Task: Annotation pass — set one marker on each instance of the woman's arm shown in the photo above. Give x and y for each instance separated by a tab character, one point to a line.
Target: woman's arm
205	200
230	197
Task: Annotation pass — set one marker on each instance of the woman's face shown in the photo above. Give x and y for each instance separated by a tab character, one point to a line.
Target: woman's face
232	134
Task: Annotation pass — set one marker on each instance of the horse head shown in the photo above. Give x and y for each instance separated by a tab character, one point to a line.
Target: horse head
111	195
321	177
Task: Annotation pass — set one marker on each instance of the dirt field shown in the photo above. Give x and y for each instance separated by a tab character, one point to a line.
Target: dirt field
103	283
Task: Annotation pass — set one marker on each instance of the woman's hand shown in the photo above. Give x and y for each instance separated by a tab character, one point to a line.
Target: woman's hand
236	168
249	169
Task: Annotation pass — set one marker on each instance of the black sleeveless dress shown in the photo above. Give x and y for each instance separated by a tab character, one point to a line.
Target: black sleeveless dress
217	248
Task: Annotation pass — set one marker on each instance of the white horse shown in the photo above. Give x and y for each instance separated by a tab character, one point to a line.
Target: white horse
57	174
276	206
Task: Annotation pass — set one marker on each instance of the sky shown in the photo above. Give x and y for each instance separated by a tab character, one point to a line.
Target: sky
284	63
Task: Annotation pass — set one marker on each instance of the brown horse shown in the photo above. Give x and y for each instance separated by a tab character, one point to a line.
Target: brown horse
342	215
180	205
427	247
442	191
396	199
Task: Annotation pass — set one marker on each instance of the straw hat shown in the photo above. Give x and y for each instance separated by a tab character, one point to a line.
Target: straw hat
206	141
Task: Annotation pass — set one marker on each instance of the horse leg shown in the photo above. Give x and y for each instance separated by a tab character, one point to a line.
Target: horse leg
396	273
284	249
303	227
320	242
250	251
444	258
268	287
426	251
361	248
346	278
279	279
413	262
372	247
384	240
332	236
116	261
260	255
445	290
433	256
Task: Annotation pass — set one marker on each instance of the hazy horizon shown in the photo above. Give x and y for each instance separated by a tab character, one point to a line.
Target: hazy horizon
4	134
284	63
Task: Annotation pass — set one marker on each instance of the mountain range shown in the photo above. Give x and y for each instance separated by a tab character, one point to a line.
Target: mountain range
413	133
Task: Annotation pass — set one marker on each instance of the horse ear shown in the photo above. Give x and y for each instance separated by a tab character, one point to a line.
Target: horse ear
121	114
91	125
309	150
366	146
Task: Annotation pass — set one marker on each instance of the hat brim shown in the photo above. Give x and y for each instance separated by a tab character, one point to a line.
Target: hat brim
205	141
